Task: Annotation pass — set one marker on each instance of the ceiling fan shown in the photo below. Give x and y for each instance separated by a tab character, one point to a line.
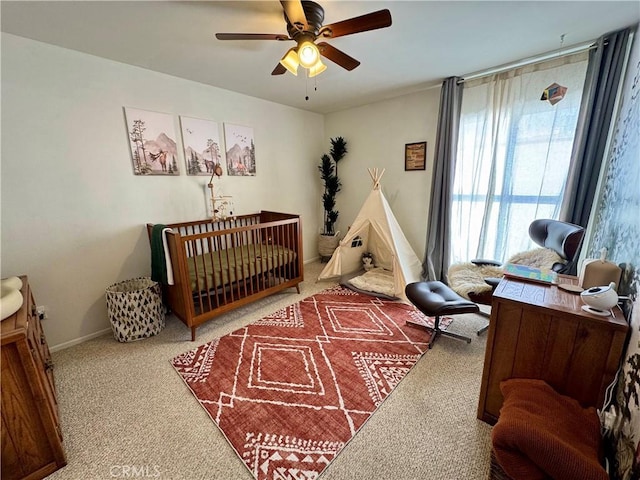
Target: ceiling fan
304	26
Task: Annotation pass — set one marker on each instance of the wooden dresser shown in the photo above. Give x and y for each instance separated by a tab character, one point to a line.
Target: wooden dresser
540	331
31	436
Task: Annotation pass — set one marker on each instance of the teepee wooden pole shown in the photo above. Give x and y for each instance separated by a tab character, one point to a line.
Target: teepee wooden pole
376	175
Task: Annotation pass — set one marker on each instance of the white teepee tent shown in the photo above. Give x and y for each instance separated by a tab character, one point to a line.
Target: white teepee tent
376	230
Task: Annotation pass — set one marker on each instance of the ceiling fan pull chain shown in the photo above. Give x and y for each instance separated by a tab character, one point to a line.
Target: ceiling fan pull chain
306	86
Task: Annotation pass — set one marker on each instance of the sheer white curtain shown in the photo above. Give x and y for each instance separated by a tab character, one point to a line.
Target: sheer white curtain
513	156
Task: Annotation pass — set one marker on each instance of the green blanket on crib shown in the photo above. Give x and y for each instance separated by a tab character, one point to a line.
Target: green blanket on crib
158	260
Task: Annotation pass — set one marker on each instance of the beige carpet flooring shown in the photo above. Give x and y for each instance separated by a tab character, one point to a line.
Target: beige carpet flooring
126	413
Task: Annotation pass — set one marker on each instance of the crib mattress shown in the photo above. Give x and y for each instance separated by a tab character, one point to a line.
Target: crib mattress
219	268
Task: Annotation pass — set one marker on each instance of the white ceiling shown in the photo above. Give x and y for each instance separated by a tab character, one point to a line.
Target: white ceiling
428	41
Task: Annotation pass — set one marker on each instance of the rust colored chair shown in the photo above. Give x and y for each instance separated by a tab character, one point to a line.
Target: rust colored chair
542	434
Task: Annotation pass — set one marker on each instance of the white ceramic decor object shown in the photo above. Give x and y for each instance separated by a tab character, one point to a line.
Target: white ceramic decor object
12	282
600	300
10	302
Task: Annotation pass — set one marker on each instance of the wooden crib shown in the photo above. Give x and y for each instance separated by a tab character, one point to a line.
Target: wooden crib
222	265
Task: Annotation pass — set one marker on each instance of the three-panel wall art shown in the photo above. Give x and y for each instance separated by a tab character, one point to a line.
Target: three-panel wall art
154	149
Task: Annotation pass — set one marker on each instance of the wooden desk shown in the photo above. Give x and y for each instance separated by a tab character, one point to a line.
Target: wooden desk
540	331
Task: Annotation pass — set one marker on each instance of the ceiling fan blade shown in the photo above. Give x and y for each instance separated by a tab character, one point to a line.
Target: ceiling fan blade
363	23
295	13
279	70
251	36
337	56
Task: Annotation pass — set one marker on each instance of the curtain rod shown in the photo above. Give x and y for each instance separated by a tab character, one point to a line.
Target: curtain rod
530	61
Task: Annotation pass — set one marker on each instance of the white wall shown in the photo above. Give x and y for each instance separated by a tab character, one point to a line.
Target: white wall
73	213
376	135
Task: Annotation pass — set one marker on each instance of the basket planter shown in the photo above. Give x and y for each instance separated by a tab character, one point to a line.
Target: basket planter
135	309
327	245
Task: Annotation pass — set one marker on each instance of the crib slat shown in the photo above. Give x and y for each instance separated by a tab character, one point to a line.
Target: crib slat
255	283
219	287
277	263
198	288
259	255
287	259
226	246
211	288
242	278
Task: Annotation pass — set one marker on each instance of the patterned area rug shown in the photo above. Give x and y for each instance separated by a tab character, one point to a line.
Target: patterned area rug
290	390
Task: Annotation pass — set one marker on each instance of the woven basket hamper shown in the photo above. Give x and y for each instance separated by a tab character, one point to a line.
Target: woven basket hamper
135	309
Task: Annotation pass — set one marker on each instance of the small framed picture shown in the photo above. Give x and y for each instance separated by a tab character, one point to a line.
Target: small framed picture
415	155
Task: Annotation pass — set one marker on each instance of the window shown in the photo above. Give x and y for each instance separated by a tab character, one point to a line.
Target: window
513	157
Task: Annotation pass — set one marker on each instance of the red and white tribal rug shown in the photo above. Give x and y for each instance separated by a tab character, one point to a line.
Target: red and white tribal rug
290	390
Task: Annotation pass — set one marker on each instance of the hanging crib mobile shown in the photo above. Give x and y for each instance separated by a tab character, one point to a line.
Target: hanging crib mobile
220	206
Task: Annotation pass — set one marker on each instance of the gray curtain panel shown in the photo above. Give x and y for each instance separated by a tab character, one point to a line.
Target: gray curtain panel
436	261
604	74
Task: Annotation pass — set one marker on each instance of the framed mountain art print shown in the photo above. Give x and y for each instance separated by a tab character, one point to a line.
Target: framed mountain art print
201	143
152	138
241	152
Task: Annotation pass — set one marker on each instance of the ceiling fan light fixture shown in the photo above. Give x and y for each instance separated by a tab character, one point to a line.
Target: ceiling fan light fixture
291	61
304	22
308	54
317	69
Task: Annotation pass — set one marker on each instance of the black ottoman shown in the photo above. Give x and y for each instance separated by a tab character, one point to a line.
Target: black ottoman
435	299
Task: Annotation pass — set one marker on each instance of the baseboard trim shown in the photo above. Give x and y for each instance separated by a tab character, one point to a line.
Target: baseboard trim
76	341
